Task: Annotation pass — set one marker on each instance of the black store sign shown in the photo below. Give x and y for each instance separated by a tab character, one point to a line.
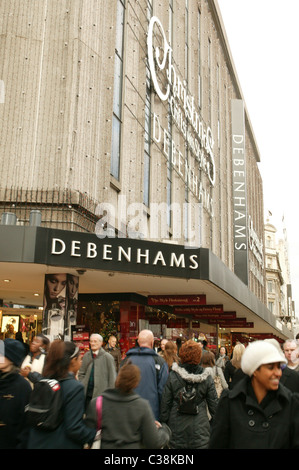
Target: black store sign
87	251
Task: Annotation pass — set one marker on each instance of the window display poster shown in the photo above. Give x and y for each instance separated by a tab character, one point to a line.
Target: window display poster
60	305
10	325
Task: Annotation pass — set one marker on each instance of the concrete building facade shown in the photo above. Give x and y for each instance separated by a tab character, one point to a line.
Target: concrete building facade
125	120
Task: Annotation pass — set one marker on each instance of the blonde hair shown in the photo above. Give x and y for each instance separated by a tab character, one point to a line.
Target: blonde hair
237	355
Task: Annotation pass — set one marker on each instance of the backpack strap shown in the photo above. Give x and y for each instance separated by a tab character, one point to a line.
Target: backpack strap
99	404
159	361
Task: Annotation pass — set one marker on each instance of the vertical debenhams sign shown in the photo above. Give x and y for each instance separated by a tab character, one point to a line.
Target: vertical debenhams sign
239	191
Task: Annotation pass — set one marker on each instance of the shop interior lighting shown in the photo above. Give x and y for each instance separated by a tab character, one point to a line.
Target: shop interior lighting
6	280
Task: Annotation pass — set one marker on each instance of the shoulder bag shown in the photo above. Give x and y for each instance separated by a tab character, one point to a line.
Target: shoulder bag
97	442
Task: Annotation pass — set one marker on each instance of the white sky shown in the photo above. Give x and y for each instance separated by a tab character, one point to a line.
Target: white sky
264	40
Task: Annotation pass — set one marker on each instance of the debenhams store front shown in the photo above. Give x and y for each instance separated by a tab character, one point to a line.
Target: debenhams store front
122	285
132	103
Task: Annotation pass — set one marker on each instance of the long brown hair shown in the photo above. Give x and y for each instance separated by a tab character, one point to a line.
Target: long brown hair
170	353
128	378
58	359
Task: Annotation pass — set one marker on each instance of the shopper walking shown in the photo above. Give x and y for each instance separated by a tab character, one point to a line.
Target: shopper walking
289	377
233	371
163	343
112	349
259	412
222	358
127	419
170	354
14	396
208	363
62	364
154	370
33	364
97	372
291	352
189	431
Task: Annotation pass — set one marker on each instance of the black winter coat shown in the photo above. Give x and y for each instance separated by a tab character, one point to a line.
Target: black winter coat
72	433
232	375
189	431
127	422
242	423
290	379
15	391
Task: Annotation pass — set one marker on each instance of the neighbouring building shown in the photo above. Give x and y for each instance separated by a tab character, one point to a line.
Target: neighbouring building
279	287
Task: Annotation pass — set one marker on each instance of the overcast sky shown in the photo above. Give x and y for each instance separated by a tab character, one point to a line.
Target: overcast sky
264	40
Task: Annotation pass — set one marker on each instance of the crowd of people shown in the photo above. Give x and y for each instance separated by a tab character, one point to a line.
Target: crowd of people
180	397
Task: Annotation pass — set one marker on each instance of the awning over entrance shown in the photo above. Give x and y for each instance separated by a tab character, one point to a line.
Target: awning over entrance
115	265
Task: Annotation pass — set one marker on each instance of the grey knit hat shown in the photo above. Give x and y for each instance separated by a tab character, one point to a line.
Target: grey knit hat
259	353
14	351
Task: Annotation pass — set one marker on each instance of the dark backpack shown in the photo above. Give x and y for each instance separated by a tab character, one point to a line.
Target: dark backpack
187	400
44	410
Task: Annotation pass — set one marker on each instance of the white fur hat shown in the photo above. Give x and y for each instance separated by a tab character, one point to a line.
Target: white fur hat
259	353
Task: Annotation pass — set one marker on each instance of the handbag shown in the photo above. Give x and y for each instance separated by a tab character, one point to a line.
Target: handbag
97	442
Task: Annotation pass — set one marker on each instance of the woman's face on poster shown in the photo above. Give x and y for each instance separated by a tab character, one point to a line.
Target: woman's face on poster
73	284
55	284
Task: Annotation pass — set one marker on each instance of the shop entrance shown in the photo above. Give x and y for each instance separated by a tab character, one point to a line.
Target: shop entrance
125	315
16	321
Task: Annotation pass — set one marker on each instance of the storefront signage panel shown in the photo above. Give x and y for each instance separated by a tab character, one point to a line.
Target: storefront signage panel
239	191
200	309
84	250
227	320
215	317
176	300
236	325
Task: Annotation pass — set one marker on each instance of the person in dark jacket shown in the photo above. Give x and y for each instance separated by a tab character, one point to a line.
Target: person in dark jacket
62	363
14	396
189	431
154	370
259	412
232	370
127	419
112	349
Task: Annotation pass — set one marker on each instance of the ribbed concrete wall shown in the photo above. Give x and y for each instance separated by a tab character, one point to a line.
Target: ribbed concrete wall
57	65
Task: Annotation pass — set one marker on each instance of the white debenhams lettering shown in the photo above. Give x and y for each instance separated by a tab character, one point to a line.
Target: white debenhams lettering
54	249
159	257
91	250
121	252
107	251
58	247
177	262
256	244
74	247
238	139
194	264
142	255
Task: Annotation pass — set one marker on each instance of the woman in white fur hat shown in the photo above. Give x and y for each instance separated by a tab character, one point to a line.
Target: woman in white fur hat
259	412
